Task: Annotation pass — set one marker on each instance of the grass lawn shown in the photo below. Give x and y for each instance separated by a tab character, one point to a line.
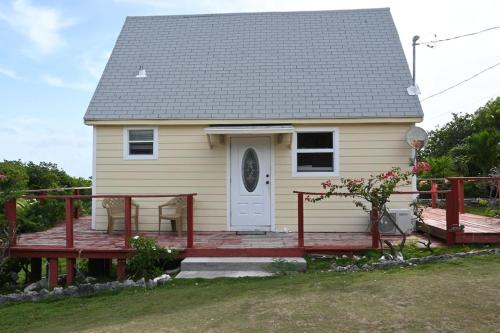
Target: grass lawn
460	296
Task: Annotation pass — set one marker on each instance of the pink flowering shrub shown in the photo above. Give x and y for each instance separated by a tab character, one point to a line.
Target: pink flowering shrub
421	167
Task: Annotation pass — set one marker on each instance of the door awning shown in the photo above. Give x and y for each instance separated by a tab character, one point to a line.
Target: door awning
264	129
221	131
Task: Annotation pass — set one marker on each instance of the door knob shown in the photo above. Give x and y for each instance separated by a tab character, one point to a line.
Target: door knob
267	181
267	175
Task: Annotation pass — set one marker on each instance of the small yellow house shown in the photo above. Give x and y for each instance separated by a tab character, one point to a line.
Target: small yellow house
243	109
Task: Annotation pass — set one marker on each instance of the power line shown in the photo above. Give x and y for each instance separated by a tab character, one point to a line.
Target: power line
439	115
429	44
461	82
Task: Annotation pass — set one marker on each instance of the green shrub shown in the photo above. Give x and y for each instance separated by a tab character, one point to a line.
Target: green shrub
149	258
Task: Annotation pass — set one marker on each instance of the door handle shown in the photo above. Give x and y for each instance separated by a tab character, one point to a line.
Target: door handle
267	181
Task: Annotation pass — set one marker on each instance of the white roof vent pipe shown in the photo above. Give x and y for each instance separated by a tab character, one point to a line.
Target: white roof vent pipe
142	72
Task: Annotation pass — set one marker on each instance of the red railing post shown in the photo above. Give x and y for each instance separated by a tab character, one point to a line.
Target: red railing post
498	191
10	215
128	220
41	197
434	189
374	228
300	220
452	213
190	227
461	207
77	207
69	222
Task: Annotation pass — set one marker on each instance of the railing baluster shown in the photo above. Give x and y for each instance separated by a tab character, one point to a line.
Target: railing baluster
10	215
69	222
128	220
434	189
300	220
190	226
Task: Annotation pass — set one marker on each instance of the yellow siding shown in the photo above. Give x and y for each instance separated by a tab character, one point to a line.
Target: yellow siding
186	164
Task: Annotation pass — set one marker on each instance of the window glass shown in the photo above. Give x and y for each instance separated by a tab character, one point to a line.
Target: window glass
141	148
141	135
315	162
315	140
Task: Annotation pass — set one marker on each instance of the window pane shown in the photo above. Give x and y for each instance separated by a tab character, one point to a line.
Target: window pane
145	148
319	140
140	135
315	162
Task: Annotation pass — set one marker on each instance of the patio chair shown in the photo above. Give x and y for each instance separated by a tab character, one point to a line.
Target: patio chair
115	207
172	211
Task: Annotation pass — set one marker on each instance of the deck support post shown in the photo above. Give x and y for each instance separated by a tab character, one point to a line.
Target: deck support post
461	204
300	220
190	227
35	269
374	228
452	212
128	220
434	189
69	222
70	271
120	269
53	272
10	215
498	191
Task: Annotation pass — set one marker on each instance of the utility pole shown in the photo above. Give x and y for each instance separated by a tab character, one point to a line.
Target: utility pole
414	44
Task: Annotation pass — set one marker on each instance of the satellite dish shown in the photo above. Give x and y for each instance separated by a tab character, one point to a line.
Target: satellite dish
416	137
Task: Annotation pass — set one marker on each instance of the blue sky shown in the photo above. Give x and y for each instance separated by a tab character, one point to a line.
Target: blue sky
53	53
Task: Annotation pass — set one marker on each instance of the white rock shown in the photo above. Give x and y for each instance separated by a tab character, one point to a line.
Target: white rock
162	279
31	287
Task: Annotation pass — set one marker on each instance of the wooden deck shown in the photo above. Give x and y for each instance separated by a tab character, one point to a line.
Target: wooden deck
477	229
92	243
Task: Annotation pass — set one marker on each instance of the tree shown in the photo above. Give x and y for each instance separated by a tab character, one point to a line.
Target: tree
485	150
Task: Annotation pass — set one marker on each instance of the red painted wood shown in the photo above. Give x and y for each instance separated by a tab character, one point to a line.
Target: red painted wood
121	269
42	197
76	192
300	220
253	252
461	203
434	189
452	213
10	215
70	271
103	196
40	251
190	226
69	222
374	228
498	191
53	272
128	220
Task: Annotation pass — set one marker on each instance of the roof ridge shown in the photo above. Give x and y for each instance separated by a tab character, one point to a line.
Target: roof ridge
258	13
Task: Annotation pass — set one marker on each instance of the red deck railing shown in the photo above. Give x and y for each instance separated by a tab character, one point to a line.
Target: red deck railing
10	213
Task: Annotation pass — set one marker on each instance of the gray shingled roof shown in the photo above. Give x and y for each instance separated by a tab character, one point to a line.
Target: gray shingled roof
323	64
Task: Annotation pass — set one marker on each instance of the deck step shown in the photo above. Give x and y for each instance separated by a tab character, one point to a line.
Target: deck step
210	267
220	274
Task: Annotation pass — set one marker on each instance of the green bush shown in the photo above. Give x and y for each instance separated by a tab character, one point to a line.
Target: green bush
149	258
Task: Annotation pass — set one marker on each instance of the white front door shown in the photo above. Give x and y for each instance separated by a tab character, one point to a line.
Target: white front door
250	184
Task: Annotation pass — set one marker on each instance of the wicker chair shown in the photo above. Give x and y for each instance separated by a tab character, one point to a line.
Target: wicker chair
175	209
115	207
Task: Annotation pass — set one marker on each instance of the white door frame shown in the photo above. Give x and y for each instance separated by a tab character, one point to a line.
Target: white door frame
228	179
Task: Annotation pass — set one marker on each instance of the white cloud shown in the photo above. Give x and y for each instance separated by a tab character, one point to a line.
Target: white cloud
9	73
59	82
42	25
93	63
67	144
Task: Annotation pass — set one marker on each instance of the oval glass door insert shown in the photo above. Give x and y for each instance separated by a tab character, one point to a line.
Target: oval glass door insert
250	169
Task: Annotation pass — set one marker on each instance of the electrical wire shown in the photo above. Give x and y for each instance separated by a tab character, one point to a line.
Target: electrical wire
430	43
461	82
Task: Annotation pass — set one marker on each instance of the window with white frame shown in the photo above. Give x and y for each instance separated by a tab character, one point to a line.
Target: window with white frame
315	152
140	143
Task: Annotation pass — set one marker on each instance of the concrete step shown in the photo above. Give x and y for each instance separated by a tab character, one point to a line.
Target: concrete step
241	263
220	274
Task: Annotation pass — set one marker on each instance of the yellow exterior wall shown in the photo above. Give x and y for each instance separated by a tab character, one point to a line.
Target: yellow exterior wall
186	164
